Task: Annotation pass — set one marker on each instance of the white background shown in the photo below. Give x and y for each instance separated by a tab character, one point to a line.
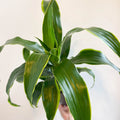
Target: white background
24	18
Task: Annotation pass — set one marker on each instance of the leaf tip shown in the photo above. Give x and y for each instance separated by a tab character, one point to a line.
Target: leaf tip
11	103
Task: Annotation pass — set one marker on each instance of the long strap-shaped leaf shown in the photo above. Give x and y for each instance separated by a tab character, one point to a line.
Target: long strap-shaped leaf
20	77
27	44
48	30
52	30
50	98
74	90
33	70
106	36
93	57
57	23
26	54
14	75
37	93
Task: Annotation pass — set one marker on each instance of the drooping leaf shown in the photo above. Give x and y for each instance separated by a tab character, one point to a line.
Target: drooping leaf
26	54
52	30
93	57
67	41
20	77
89	71
107	37
33	70
50	98
11	103
104	35
43	44
11	80
74	90
27	44
37	93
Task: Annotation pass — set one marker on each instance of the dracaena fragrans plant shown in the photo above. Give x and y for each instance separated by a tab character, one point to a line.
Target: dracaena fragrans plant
48	61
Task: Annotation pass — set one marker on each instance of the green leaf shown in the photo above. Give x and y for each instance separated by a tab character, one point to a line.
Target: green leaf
52	30
44	5
37	93
89	71
26	54
93	57
56	19
11	80
43	44
50	98
107	37
20	77
47	73
57	23
33	70
27	44
1	47
67	41
11	103
54	56
74	90
48	30
65	48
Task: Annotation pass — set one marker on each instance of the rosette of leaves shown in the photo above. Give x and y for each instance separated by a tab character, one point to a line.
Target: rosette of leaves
48	61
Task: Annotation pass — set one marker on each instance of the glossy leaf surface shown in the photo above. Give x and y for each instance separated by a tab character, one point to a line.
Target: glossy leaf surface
27	44
47	73
74	90
33	70
37	93
26	54
67	41
50	98
93	57
104	35
18	71
57	23
48	30
52	30
107	37
54	56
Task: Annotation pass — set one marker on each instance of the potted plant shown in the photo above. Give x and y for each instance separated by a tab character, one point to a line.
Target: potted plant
49	62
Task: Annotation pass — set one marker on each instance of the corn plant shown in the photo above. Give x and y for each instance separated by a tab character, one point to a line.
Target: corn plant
47	70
